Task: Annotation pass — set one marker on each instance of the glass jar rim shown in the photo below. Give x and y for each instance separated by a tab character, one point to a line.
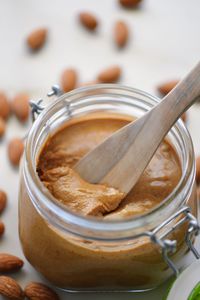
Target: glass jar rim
91	227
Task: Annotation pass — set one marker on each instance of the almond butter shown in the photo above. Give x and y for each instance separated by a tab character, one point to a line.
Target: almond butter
20	106
15	150
110	75
88	20
130	3
10	263
2	228
4	106
166	87
198	169
3	200
39	291
2	126
10	288
68	80
37	38
121	33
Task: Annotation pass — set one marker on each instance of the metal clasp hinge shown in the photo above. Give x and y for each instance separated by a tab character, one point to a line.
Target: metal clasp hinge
169	246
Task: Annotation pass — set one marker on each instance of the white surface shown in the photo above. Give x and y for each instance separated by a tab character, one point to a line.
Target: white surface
184	285
164	45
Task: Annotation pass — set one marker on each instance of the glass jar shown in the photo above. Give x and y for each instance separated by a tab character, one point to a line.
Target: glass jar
78	253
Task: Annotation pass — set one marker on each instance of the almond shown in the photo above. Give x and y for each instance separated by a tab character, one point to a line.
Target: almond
198	169
4	106
20	106
129	3
39	291
121	33
15	150
110	75
88	20
37	38
10	288
3	200
166	87
68	80
10	263
2	228
2	127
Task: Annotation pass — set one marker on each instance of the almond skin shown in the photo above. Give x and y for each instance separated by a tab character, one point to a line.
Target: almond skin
37	38
3	200
68	80
4	106
166	87
10	288
121	33
20	106
110	75
2	228
2	127
15	151
39	291
184	117
88	20
130	3
198	170
10	263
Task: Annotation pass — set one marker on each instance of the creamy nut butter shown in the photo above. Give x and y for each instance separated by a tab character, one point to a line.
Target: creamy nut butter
83	236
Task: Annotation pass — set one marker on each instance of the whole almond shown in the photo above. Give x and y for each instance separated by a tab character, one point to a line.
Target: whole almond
20	106
10	288
121	33
4	106
88	20
10	263
166	87
3	200
37	38
2	126
39	291
15	150
129	3
198	169
2	228
110	75
68	80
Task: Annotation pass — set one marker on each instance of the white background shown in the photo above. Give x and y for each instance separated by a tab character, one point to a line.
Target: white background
164	44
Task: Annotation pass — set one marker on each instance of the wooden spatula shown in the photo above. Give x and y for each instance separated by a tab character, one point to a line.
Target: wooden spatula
121	159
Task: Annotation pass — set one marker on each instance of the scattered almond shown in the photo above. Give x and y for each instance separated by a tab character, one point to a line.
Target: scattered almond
130	3
39	291
198	169
10	263
166	87
121	33
4	106
20	106
68	80
10	288
3	200
15	150
37	38
2	228
2	127
88	20
110	75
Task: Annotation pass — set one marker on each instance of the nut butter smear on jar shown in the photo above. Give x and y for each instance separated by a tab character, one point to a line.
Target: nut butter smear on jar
62	151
